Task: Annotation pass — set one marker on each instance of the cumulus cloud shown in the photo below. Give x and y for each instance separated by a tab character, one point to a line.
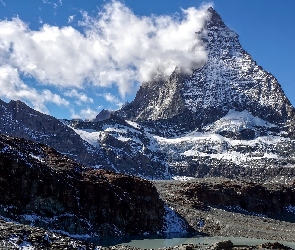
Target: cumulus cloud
112	99
87	113
80	97
117	48
12	87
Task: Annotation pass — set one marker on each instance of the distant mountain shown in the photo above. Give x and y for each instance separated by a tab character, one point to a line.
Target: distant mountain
17	119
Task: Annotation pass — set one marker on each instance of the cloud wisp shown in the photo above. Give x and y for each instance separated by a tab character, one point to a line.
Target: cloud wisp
116	48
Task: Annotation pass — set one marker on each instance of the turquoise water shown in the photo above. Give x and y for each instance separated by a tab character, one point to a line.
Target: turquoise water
159	243
156	241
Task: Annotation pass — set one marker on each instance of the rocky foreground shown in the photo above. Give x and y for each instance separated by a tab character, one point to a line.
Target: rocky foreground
45	196
214	207
41	187
18	236
219	207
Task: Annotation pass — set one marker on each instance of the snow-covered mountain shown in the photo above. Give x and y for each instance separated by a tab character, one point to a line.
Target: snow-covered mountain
228	118
230	80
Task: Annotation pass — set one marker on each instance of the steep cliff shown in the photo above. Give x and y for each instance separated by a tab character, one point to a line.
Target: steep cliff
41	187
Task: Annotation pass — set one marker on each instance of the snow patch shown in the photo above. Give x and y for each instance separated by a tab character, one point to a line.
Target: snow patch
133	124
182	178
17	242
236	121
290	209
173	223
91	136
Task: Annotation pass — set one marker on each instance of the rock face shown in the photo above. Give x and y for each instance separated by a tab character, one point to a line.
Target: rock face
44	188
128	147
103	115
160	106
243	196
230	80
222	207
17	119
18	236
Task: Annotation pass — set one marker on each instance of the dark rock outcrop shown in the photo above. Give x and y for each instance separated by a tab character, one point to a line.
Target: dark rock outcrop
266	199
40	186
19	120
103	115
18	236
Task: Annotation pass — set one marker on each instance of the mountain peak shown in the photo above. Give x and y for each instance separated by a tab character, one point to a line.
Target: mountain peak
103	115
215	18
229	80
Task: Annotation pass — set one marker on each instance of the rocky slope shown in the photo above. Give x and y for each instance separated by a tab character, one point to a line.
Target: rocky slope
17	119
222	207
18	236
41	187
134	149
128	146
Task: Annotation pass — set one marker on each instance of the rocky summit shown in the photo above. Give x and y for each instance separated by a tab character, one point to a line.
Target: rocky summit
228	118
41	187
230	80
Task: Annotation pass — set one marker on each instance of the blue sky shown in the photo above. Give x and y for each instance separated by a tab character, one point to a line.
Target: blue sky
72	58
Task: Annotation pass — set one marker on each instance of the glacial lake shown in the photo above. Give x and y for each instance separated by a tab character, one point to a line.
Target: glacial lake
152	241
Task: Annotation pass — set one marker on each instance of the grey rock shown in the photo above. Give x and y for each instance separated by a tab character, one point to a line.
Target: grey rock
17	119
230	79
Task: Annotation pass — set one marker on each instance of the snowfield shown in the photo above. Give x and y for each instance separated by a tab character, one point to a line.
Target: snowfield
194	145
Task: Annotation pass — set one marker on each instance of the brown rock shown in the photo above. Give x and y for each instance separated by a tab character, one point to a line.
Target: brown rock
36	179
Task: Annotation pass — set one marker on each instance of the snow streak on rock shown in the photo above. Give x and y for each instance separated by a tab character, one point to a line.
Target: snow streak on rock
173	222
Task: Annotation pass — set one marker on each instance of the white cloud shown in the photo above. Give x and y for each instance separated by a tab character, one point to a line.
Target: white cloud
88	113
84	114
12	87
81	97
71	18
112	99
117	48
